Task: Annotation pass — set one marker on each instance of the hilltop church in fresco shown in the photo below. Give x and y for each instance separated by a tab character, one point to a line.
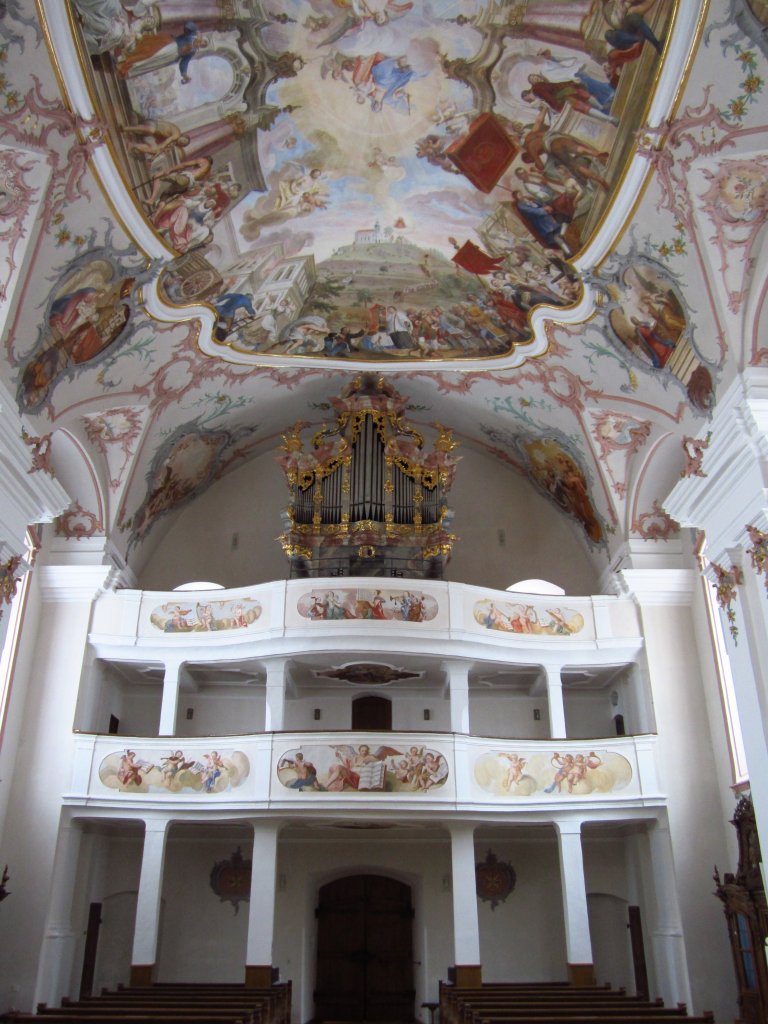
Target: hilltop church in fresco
383	518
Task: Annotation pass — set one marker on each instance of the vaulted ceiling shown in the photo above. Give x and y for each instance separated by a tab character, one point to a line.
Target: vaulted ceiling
541	220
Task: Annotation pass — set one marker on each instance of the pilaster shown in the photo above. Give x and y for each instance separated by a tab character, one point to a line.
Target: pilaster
667	935
724	490
144	956
170	702
54	973
555	704
457	673
261	908
466	930
274	718
578	944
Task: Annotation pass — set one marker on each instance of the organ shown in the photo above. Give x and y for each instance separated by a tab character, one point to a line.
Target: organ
368	498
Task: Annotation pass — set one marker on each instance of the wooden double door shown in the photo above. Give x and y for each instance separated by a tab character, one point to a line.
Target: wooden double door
365	950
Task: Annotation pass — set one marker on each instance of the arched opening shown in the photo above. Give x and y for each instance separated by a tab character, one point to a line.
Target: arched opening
372	713
364	950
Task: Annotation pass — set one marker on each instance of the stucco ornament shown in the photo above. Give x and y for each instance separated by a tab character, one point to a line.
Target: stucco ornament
758	553
727	581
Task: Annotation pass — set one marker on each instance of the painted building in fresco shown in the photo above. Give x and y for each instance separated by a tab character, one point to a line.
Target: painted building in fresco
267	266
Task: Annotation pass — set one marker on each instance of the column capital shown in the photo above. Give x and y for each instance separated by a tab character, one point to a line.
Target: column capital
173	661
568	826
458	829
553	667
156	826
455	667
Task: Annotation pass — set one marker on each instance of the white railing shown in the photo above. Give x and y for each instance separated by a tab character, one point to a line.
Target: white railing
282	771
350	607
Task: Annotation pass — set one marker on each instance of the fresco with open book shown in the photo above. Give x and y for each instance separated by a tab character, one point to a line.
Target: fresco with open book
557	773
462	154
341	767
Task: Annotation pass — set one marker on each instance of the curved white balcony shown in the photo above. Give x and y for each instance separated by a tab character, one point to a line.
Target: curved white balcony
391	773
415	611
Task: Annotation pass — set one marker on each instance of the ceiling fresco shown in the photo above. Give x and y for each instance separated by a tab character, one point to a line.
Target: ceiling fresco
400	181
542	221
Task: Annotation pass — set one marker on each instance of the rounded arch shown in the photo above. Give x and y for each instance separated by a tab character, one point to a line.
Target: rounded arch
77	472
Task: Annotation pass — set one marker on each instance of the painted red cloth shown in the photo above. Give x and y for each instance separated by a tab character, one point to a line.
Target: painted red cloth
471	258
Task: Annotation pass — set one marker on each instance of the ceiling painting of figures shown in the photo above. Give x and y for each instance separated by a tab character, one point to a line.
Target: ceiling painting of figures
386	180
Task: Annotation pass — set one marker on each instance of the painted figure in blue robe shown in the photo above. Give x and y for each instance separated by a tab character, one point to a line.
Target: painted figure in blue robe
389	76
161	50
227	305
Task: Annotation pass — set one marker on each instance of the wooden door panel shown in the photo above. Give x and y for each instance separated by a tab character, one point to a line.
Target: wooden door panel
365	951
372	714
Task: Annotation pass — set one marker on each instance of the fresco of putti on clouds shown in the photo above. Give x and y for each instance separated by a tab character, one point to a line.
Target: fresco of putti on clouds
460	156
176	772
554	773
205	616
516	617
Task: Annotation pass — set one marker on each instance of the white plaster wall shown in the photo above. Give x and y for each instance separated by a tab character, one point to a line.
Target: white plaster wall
690	778
227	536
17	699
202	938
119	883
611	949
608	897
509	716
336	710
42	770
139	712
588	715
232	714
533	538
523	939
528	538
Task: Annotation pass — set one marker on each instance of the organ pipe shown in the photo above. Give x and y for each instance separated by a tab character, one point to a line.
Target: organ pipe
368	493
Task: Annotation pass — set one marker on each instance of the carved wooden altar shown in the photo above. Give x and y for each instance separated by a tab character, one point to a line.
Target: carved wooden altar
746	912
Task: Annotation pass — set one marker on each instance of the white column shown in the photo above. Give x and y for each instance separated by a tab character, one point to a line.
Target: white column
466	930
577	940
261	909
667	937
458	689
148	903
54	974
555	704
274	717
170	705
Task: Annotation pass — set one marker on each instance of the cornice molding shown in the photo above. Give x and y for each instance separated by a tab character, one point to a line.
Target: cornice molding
72	583
733	488
659	586
28	497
